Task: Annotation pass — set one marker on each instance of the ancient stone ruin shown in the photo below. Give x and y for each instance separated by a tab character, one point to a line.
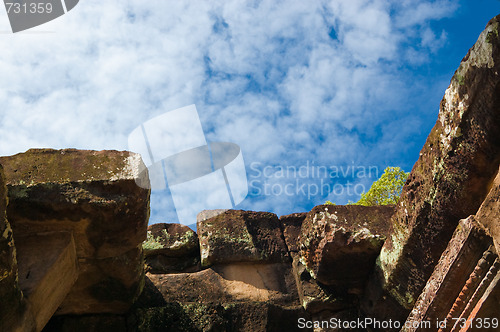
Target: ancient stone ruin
76	253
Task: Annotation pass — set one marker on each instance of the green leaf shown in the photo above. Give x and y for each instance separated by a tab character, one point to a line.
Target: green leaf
385	190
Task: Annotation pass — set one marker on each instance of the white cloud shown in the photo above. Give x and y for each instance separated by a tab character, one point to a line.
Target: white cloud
415	12
288	81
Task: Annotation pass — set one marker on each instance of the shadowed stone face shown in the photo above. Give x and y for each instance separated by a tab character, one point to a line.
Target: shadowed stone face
450	179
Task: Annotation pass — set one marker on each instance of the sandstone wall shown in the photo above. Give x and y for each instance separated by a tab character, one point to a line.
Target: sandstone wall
450	180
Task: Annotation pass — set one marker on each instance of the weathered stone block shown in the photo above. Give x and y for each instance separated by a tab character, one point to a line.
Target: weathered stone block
339	244
291	225
171	248
99	197
241	236
173	240
234	301
48	268
165	264
451	177
93	194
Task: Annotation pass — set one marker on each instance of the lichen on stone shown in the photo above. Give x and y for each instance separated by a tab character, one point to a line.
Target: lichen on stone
152	242
493	34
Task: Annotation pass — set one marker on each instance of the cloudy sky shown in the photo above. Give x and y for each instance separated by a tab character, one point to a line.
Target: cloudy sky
320	96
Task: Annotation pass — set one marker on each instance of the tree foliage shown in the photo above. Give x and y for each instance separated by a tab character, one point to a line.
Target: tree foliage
385	190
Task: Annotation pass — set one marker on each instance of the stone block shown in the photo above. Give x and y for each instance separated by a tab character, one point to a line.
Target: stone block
171	248
99	197
262	317
339	244
182	317
241	236
93	194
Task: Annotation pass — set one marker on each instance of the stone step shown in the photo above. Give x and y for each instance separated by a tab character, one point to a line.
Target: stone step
48	268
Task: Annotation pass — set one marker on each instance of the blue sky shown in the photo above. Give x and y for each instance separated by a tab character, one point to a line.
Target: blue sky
337	89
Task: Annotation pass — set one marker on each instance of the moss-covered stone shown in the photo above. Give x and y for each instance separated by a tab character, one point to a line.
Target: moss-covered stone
241	236
170	240
230	316
171	248
262	317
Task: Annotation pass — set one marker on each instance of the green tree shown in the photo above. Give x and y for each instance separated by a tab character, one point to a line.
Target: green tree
385	190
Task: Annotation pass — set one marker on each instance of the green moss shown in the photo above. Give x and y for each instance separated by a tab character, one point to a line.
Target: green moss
460	79
152	242
492	35
20	191
165	234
